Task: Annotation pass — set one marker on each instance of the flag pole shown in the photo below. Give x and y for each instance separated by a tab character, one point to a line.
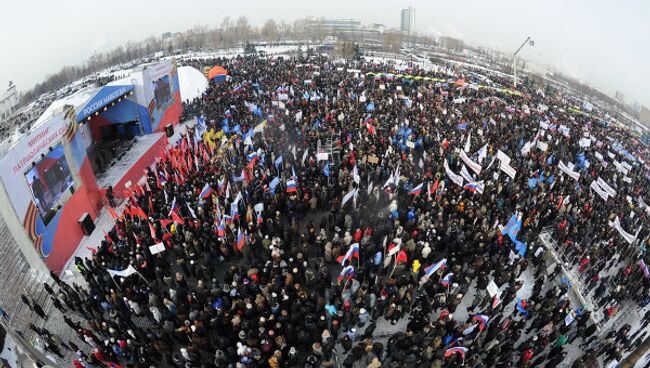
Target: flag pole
394	267
345	285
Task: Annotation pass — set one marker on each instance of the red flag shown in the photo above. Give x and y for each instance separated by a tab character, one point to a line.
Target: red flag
92	250
137	211
110	240
177	218
150	205
127	210
435	186
401	257
165	222
113	213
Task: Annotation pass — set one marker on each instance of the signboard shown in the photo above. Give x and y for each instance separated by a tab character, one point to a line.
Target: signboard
18	160
509	170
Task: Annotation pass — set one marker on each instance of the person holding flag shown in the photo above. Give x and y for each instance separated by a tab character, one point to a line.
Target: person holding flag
353	252
206	191
460	350
241	241
346	274
417	190
430	270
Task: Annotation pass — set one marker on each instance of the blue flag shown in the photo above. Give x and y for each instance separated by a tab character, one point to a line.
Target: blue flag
520	307
532	183
521	247
274	183
512	228
326	169
370	106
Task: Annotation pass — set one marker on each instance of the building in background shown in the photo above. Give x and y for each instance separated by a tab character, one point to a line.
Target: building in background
407	20
644	115
620	96
332	27
452	44
8	101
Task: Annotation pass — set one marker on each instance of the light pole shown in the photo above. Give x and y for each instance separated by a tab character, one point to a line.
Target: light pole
514	59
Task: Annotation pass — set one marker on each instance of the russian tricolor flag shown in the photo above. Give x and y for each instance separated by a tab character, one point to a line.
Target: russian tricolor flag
417	190
346	273
227	219
482	320
240	240
253	157
291	186
206	191
234	211
221	228
174	207
162	177
471	187
434	267
457	350
353	252
446	281
220	184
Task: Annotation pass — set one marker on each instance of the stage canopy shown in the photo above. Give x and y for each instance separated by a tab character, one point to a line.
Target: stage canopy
102	98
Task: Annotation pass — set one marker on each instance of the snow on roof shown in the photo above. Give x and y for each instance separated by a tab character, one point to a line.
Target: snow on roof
192	82
127	77
76	99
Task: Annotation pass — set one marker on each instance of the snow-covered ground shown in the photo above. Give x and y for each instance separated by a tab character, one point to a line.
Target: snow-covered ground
9	352
232	52
192	82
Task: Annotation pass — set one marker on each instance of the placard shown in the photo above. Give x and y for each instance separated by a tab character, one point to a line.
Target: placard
157	248
492	289
322	156
509	170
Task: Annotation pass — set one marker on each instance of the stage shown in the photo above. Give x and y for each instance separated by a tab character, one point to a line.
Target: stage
130	166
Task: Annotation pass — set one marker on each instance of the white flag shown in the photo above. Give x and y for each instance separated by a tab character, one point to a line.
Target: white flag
128	272
350	194
191	210
355	175
482	153
468	144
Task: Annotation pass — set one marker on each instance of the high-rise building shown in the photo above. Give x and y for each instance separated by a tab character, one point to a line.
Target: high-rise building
333	27
620	96
407	20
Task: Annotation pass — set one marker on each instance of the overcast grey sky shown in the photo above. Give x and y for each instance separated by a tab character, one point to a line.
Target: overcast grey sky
603	42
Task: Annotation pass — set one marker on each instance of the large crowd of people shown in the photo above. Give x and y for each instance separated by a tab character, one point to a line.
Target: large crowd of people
318	215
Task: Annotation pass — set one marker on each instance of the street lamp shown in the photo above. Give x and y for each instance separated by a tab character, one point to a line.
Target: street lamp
514	59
